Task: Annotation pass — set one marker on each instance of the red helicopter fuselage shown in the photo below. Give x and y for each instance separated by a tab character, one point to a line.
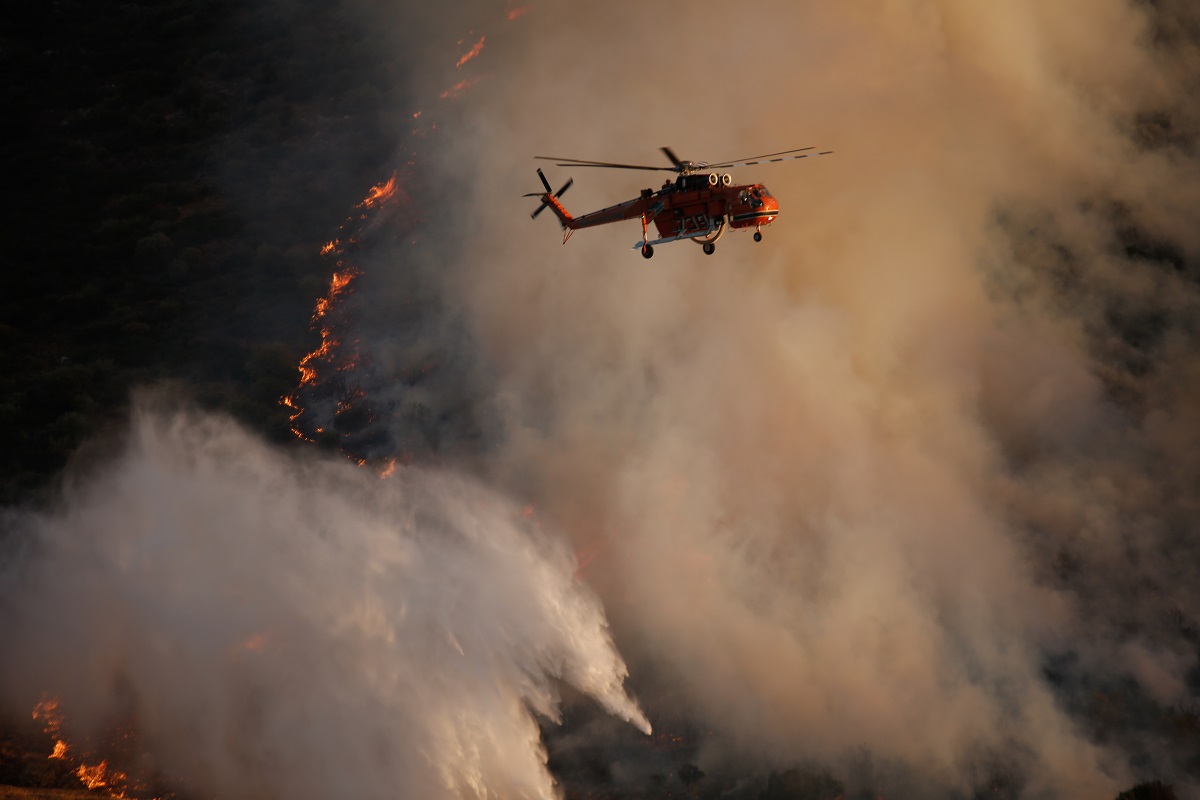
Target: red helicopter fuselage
699	204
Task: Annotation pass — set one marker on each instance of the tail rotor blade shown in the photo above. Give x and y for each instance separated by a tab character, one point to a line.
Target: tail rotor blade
546	195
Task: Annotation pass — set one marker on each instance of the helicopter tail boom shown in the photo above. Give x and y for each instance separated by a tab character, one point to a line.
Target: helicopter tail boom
550	200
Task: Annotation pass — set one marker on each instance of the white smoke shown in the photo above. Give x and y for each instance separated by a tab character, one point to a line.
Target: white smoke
301	627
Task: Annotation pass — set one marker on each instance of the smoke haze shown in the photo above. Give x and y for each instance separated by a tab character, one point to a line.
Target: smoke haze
909	483
858	485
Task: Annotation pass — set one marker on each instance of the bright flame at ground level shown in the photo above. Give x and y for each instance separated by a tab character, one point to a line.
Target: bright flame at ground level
93	776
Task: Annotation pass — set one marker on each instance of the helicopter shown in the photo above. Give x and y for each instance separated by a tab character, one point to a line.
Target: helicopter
698	205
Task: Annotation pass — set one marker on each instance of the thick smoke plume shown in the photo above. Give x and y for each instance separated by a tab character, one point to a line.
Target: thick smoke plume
914	475
288	627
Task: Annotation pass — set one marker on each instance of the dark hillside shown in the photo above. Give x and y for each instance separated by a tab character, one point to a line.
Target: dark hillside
170	172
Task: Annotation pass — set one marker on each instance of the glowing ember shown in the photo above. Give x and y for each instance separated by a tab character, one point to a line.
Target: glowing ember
256	643
459	88
47	709
389	470
474	51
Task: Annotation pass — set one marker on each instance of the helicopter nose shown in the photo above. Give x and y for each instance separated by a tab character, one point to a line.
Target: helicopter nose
769	208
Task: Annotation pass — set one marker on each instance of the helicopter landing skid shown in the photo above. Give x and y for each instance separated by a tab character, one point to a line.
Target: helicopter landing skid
693	235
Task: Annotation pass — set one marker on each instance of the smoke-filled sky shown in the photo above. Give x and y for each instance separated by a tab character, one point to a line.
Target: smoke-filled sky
910	481
853	486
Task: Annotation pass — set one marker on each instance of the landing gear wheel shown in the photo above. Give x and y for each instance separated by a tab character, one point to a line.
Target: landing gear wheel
647	251
709	248
758	236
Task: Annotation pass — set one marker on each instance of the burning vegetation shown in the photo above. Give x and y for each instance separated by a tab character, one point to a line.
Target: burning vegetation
475	50
326	371
94	772
331	403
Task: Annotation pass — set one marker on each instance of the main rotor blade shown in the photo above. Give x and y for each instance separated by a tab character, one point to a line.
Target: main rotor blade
674	158
769	158
613	166
545	182
578	162
769	155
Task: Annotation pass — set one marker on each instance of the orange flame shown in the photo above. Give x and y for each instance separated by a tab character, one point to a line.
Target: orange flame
380	193
514	13
474	51
48	708
459	88
339	284
341	280
256	643
308	374
92	776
